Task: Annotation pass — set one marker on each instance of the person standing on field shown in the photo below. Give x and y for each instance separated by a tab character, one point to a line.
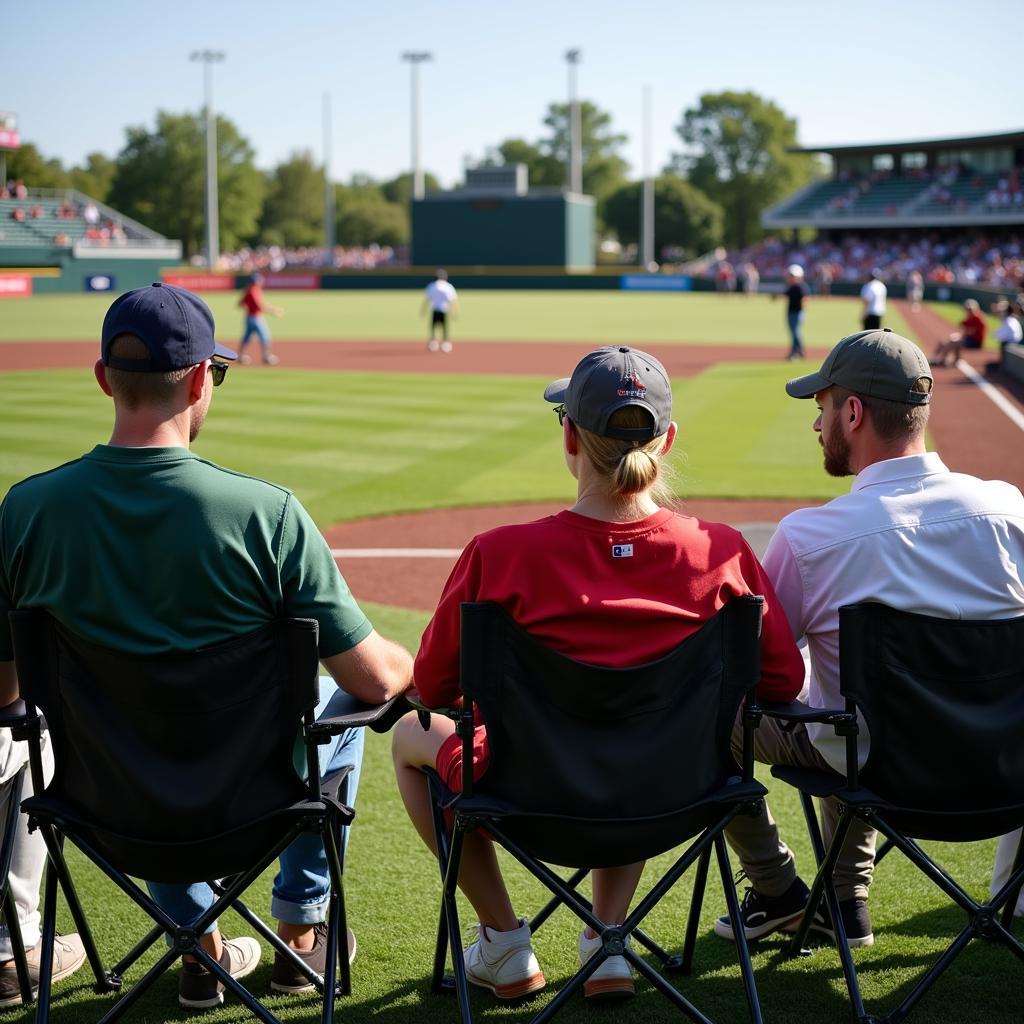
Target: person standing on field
796	296
255	306
442	299
873	296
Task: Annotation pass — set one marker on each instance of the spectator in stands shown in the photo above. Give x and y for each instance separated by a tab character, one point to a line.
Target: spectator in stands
873	296
18	214
970	335
726	276
36	212
751	279
61	239
915	289
90	214
20	190
1009	331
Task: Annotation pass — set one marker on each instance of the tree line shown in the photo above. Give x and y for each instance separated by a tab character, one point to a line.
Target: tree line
736	161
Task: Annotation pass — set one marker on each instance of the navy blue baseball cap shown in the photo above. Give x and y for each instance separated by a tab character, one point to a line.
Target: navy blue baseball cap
175	325
608	379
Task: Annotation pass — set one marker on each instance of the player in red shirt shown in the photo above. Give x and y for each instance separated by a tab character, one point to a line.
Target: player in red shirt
971	335
255	306
616	580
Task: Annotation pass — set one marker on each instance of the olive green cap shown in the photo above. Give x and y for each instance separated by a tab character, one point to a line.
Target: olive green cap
879	364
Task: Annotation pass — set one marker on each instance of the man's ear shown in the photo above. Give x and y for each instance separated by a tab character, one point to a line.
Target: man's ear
854	413
100	372
197	381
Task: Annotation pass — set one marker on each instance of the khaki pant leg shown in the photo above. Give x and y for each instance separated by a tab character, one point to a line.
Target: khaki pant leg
765	858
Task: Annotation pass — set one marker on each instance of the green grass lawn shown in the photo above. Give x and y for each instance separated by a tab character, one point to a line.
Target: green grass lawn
355	444
392	893
597	316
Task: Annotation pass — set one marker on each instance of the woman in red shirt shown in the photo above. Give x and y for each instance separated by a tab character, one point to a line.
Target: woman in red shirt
970	335
616	580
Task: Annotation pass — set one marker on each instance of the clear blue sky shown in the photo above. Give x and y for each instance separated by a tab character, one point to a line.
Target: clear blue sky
78	74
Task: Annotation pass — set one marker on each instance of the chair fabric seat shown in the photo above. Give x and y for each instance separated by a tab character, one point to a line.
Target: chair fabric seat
182	862
576	842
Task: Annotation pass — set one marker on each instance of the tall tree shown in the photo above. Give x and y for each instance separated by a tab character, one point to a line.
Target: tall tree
95	177
739	156
683	215
27	164
160	180
293	212
399	189
604	169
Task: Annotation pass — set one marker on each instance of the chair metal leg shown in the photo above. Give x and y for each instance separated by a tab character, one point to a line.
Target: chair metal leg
823	886
746	967
573	882
672	994
684	965
139	989
438	981
49	932
452	911
10	916
331	962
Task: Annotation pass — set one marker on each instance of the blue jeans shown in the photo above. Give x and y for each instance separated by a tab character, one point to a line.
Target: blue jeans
258	326
303	880
796	321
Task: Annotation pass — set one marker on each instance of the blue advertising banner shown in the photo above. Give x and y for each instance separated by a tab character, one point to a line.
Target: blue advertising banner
655	283
100	283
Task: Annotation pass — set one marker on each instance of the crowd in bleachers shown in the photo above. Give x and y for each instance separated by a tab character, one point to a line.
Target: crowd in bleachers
995	260
59	222
341	257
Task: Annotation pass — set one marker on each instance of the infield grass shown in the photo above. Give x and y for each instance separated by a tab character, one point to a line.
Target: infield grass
358	444
588	316
392	896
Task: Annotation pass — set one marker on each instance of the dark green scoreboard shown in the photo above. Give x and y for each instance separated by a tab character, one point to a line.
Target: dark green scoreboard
539	229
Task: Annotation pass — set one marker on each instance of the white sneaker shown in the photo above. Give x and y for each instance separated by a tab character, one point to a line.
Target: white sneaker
244	359
613	979
433	346
504	962
446	346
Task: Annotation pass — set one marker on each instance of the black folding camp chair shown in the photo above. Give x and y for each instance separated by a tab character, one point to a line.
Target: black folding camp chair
943	702
179	768
596	767
10	804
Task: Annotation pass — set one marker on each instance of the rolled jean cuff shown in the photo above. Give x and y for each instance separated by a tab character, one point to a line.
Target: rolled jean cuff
312	912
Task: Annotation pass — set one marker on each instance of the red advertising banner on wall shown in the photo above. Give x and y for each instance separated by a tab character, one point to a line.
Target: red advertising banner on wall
202	282
295	282
15	286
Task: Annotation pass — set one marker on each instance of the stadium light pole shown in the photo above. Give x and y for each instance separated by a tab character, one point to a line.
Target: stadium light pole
329	225
647	194
573	57
415	59
208	58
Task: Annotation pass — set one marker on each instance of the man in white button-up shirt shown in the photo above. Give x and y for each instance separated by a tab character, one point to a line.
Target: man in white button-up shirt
910	534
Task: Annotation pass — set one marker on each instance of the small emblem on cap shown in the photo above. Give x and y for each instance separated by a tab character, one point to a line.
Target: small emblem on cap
622	551
631	387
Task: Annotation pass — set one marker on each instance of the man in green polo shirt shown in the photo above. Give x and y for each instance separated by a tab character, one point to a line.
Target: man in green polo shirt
144	547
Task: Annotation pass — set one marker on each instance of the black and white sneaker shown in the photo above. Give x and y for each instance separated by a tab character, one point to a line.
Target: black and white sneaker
856	922
762	915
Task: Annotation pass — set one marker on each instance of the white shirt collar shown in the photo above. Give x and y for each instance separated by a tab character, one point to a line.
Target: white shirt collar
903	468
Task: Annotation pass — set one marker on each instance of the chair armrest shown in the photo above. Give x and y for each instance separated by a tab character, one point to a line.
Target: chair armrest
378	717
412	698
797	711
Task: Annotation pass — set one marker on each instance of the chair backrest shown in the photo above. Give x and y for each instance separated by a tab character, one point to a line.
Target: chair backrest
158	755
944	704
576	740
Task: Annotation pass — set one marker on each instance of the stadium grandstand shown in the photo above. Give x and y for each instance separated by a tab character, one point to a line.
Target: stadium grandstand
951	208
77	241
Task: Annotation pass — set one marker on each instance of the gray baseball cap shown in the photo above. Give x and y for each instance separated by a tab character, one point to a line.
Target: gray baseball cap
880	364
610	379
